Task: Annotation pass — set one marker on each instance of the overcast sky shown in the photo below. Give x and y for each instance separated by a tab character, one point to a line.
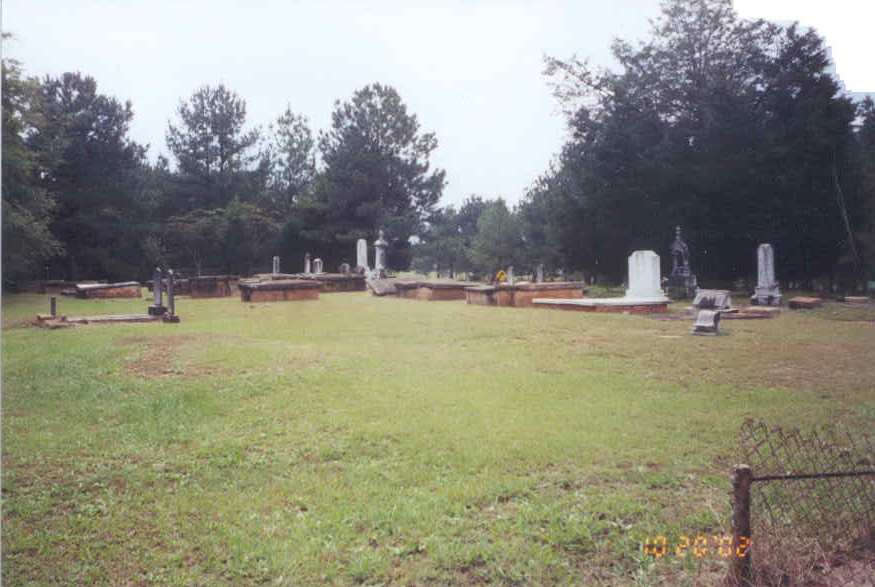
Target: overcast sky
470	71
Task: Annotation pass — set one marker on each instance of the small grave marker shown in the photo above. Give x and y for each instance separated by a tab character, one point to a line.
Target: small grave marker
707	323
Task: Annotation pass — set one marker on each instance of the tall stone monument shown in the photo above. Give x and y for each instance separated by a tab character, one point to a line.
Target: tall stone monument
767	292
276	264
681	282
380	255
539	273
644	278
307	264
361	249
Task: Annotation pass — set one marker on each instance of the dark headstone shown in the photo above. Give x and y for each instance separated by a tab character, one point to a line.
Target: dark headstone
681	282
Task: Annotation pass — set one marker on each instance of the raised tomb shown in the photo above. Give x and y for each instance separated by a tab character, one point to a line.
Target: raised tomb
278	290
126	289
522	294
643	296
213	286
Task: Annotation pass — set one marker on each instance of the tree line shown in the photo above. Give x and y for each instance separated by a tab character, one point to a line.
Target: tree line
732	128
81	200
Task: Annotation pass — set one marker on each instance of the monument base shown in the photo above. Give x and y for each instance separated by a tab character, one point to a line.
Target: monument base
681	287
766	296
613	305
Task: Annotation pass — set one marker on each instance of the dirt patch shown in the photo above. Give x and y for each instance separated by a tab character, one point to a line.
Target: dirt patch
164	356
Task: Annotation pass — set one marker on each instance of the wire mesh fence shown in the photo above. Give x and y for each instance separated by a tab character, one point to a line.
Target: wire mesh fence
810	505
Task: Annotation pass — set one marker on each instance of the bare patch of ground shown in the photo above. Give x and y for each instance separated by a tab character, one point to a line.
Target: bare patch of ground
163	356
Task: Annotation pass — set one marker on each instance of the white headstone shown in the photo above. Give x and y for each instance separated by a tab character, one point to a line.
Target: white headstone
380	255
539	273
510	274
644	277
361	248
307	264
276	265
317	265
767	292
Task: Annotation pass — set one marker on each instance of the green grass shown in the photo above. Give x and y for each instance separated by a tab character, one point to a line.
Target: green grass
357	440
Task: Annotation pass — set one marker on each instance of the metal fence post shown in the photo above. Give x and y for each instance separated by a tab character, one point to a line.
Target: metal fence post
741	568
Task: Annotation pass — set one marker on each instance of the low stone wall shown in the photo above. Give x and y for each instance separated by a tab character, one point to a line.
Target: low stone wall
181	287
442	293
521	295
212	286
433	291
279	291
340	282
480	295
128	289
407	289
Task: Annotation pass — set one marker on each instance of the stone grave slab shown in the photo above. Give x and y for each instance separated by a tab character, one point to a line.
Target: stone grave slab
804	303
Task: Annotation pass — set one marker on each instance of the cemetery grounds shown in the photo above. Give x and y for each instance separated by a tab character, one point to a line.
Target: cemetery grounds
357	440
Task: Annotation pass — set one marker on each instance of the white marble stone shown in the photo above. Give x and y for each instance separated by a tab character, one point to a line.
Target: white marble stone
767	292
591	302
380	254
644	278
307	264
644	286
317	266
361	248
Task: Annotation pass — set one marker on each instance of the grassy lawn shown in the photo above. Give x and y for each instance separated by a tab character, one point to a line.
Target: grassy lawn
363	440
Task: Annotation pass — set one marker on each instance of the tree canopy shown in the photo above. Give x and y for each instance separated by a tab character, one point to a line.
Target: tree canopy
732	128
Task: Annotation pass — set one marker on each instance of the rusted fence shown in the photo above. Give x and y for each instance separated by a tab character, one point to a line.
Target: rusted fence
802	497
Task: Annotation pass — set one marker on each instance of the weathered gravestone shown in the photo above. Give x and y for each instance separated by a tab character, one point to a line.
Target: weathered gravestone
361	249
276	265
681	281
380	255
712	299
307	264
707	323
157	308
767	292
344	268
539	273
644	277
317	266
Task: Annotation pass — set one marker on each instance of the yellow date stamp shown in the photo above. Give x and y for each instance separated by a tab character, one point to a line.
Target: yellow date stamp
699	546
